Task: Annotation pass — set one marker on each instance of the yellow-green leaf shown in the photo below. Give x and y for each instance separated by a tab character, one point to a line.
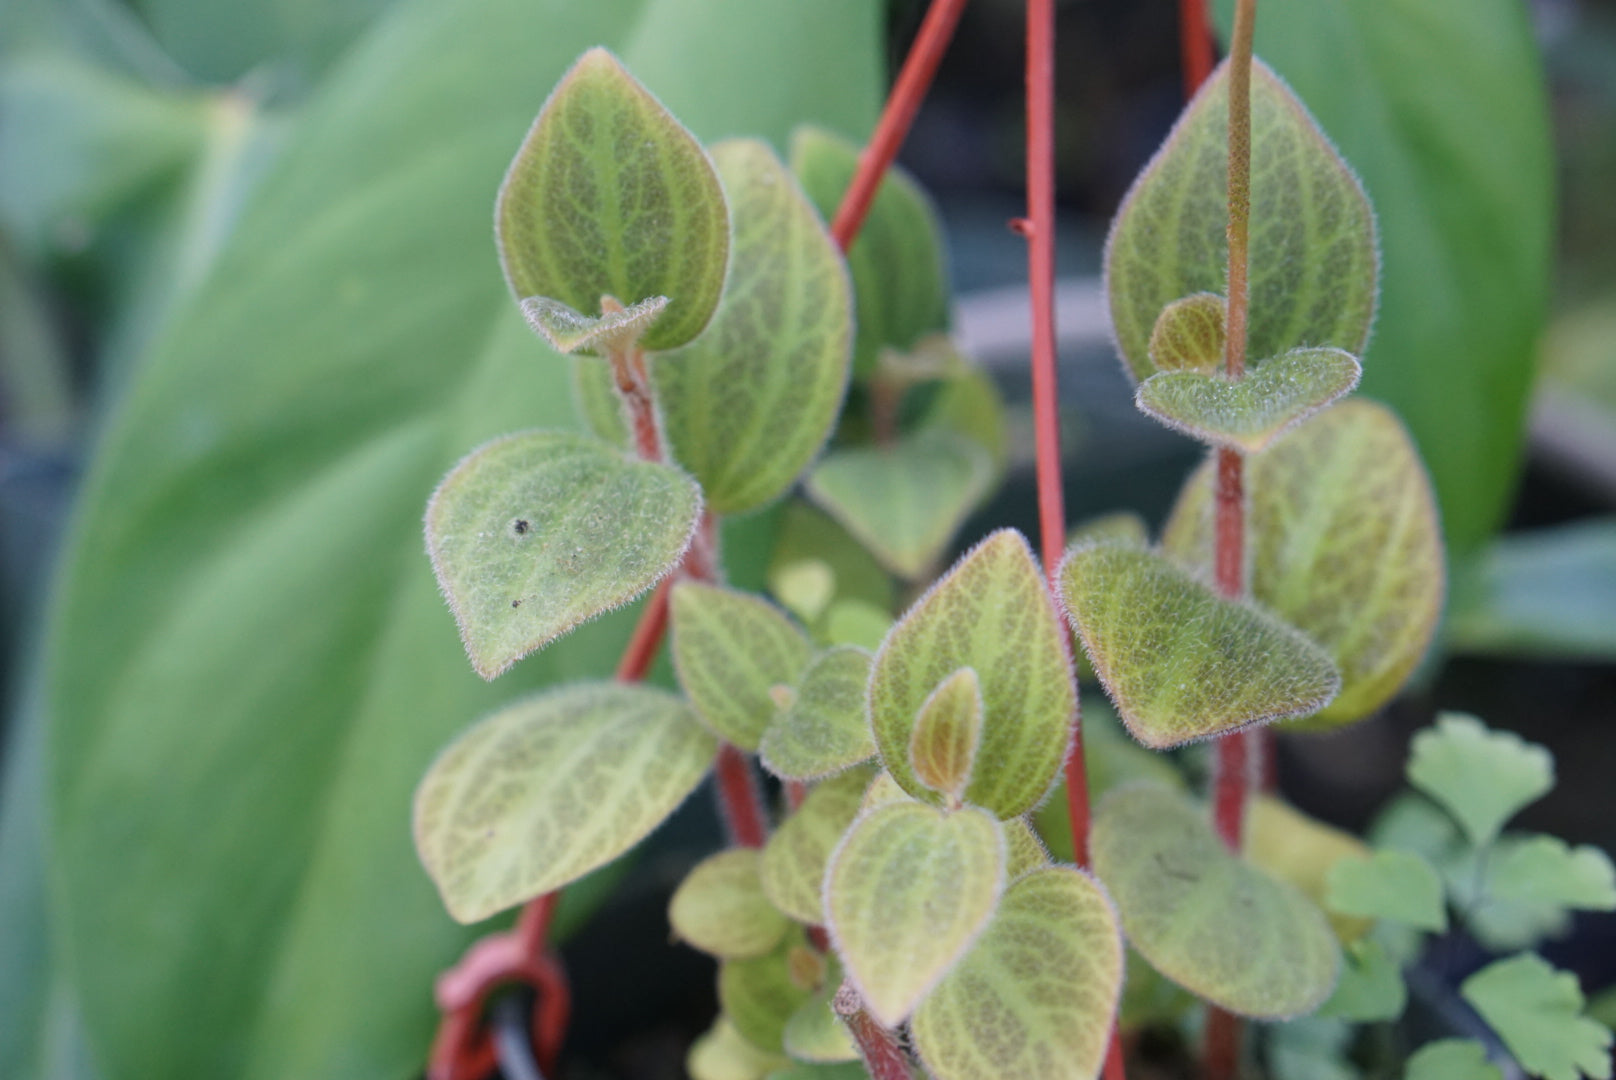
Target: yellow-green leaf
905	501
947	734
1189	334
1036	995
1024	849
760	995
900	277
610	196
815	1032
723	1053
1207	920
1287	844
532	534
720	907
1250	412
1313	256
1180	662
906	893
992	612
548	789
793	869
731	650
824	730
1345	546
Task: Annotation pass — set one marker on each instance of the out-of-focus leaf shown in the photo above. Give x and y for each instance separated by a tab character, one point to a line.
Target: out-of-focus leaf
723	1053
1371	986
992	612
1440	106
732	649
824	730
815	1032
1313	256
1546	870
1346	546
1180	662
1052	959
720	907
1482	777
794	859
759	995
1388	885
1451	1059
223	42
1537	1011
250	667
906	893
808	534
1204	918
1189	334
1289	845
550	788
1549	592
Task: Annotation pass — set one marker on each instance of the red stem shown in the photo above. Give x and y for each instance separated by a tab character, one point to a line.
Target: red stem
741	799
1195	44
877	1046
643	644
914	79
1114	1057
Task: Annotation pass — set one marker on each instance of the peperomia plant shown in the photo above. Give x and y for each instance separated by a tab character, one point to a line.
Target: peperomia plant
904	912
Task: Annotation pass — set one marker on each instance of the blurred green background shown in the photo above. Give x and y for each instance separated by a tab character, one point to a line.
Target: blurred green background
250	311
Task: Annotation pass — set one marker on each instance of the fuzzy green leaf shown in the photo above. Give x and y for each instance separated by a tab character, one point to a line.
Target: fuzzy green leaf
760	995
1313	259
1394	885
1036	995
1287	844
905	501
1345	543
1210	922
815	1033
992	612
749	404
1371	987
1537	1011
824	730
532	534
720	907
1024	849
947	734
731	650
546	790
723	1053
900	276
906	893
1482	777
1545	870
1180	662
1189	334
793	870
1250	412
1451	1059
568	331
1117	527
610	196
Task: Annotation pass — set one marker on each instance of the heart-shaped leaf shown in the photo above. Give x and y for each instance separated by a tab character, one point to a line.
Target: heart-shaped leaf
723	1053
1345	544
546	790
1205	919
732	649
532	534
906	893
750	403
993	613
815	1032
760	995
569	331
825	730
900	273
1024	849
720	907
1250	412
1051	958
1313	257
1189	334
904	501
794	859
1180	662
947	734
610	196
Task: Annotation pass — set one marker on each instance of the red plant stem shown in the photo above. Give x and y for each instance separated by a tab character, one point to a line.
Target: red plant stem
533	925
877	1046
1195	44
914	79
741	798
643	644
1114	1058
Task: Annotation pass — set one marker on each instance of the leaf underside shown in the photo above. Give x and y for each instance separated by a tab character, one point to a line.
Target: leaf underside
568	331
1250	412
1313	256
1345	542
1180	662
532	534
546	790
1207	920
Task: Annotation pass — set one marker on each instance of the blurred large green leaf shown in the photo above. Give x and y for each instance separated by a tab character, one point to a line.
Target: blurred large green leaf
250	667
1440	106
1549	593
